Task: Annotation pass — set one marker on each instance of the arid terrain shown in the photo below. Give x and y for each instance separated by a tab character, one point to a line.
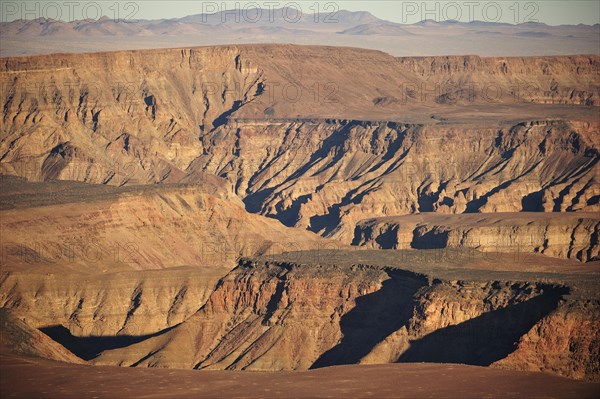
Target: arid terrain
299	221
402	381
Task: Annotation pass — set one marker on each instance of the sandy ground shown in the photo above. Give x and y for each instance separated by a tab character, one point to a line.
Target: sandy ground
23	377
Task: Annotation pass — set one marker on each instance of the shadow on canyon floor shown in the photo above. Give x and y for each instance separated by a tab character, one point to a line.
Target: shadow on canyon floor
484	339
375	316
88	348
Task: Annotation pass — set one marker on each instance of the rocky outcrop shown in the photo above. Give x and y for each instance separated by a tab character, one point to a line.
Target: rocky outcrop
286	316
258	319
572	235
561	343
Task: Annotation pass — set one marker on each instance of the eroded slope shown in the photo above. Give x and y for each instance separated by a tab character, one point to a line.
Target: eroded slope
19	337
273	315
327	177
319	138
95	228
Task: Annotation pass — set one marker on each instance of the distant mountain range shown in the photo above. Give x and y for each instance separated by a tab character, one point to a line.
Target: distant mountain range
263	21
285	25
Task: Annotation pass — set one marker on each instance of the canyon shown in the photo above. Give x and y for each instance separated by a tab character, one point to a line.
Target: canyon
288	316
282	125
308	210
321	308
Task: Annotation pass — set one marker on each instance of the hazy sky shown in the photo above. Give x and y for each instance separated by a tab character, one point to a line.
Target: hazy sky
552	12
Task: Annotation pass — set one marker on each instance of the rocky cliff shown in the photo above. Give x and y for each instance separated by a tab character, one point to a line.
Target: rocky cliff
110	304
285	316
538	80
320	309
560	235
561	342
329	177
303	135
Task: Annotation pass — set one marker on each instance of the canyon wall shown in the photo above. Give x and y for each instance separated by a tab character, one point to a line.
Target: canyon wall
567	330
258	150
20	337
268	315
319	138
105	305
560	235
545	80
118	117
327	177
286	316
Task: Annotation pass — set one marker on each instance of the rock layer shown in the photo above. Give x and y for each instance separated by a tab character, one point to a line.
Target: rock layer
312	135
321	310
110	304
285	316
562	235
